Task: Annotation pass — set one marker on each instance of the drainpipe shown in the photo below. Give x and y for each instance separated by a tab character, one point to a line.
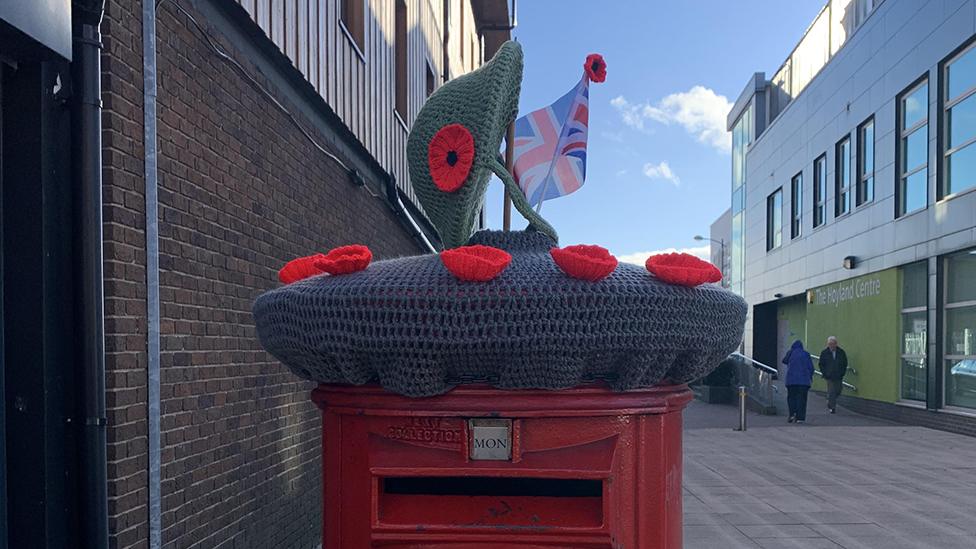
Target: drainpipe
86	149
446	58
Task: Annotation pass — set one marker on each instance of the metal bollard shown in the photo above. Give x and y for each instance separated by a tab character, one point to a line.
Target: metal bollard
742	408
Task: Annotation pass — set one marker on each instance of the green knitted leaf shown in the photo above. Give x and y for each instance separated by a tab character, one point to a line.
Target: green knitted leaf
485	102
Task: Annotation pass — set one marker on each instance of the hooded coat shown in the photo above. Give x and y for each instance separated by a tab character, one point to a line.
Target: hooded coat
799	366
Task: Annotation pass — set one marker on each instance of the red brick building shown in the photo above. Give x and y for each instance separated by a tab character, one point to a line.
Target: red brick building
236	136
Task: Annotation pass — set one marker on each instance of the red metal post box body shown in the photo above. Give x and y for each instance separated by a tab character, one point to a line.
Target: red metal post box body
585	468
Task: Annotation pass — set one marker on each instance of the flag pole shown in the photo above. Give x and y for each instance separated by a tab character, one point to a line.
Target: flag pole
509	165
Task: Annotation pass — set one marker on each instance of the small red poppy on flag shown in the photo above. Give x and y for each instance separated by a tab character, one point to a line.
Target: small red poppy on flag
595	67
682	269
475	263
584	261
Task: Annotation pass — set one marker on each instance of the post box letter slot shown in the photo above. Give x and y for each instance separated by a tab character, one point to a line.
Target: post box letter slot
491	501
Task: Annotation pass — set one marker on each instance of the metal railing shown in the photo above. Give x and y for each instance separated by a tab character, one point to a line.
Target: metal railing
758	379
850	370
756	364
846	384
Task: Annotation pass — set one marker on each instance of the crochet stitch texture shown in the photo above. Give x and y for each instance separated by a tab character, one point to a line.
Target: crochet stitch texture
484	102
416	329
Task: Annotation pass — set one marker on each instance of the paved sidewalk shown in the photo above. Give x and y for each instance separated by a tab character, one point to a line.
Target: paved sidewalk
841	480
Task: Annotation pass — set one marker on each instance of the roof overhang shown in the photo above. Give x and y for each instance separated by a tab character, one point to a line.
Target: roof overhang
756	84
493	20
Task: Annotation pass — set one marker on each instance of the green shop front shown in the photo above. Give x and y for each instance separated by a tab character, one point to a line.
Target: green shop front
909	333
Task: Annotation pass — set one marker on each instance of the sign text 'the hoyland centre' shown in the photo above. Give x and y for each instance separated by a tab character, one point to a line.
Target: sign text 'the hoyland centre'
846	291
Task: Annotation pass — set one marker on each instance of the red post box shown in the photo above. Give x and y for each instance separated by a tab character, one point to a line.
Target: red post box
491	469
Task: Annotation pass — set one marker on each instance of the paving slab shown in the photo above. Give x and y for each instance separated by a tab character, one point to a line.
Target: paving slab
839	481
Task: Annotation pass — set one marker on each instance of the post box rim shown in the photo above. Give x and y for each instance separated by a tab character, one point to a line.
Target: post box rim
486	401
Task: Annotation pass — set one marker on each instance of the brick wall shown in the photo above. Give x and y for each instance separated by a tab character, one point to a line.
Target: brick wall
240	192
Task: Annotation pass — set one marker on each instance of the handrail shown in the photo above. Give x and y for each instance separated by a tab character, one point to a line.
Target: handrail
850	369
759	365
846	384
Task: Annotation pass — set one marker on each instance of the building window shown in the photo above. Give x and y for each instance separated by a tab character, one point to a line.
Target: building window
842	177
431	84
819	190
960	329
351	17
774	220
914	330
796	205
864	9
959	159
865	162
742	132
913	149
400	53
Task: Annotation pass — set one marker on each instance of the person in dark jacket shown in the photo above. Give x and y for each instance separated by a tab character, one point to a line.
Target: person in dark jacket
799	376
833	366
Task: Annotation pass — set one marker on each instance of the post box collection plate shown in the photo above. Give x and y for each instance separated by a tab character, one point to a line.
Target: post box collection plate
490	439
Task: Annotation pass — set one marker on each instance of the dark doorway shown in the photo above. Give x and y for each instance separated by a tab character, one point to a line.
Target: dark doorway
38	419
765	334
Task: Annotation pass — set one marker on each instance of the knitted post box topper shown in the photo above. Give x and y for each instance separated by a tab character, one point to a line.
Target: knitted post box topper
510	309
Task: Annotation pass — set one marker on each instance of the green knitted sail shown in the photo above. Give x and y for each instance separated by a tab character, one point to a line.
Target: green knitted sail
453	147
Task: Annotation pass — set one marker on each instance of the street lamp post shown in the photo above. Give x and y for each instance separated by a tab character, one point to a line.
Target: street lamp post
721	243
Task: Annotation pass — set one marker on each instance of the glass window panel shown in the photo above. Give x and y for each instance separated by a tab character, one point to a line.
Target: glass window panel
961	169
915	107
961	277
844	163
961	122
913	378
915	191
869	189
778	218
819	190
961	331
796	205
774	219
960	382
843	176
913	333
738	200
916	149
914	285
961	74
867	148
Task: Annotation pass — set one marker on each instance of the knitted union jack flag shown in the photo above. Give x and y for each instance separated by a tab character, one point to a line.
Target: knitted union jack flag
550	143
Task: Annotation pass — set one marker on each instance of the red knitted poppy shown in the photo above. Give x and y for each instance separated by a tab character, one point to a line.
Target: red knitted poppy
585	262
345	259
300	268
449	156
595	67
476	263
682	269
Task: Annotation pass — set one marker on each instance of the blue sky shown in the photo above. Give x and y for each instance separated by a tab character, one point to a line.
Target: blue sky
658	165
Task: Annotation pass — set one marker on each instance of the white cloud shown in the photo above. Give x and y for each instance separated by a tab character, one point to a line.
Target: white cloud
661	171
700	111
638	258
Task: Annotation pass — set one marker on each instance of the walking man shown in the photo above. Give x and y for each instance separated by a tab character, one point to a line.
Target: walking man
833	366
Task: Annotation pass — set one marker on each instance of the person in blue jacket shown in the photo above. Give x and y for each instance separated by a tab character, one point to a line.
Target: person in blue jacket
799	376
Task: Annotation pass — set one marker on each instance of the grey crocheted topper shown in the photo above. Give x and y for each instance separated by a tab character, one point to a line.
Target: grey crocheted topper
417	330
